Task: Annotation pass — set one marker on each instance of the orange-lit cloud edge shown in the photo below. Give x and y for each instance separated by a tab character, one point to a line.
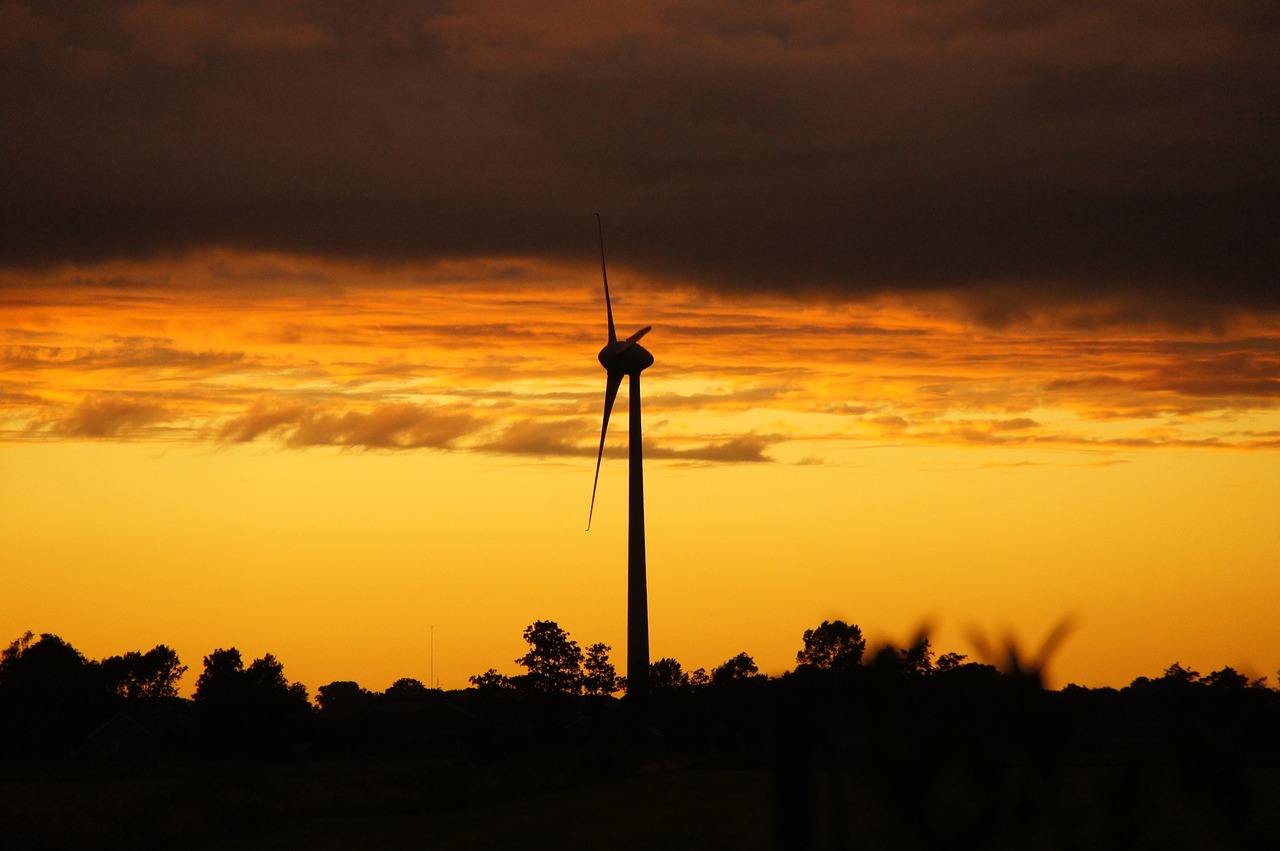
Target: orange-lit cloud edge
496	359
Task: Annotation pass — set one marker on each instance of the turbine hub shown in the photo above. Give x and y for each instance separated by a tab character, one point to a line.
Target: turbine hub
627	358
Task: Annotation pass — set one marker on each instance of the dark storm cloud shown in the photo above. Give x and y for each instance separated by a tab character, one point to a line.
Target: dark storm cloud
1060	151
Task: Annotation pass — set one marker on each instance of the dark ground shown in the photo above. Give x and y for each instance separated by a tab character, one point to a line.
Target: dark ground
872	758
669	802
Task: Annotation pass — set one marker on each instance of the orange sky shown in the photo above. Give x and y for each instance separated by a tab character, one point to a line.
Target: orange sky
335	461
965	314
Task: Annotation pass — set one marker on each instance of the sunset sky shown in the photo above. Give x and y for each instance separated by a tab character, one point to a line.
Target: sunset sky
965	316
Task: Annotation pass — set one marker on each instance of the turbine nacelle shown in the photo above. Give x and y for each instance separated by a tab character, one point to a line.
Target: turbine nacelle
621	358
626	357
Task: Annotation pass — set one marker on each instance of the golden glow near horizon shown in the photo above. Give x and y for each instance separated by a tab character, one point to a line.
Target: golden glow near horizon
333	462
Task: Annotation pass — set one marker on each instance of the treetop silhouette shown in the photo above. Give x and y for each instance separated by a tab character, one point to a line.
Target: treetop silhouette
555	664
832	646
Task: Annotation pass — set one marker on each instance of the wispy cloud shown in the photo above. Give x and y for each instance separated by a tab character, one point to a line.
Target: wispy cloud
387	426
543	439
103	415
134	353
511	369
747	448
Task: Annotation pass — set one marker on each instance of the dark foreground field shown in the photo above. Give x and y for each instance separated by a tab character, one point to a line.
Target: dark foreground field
388	803
896	754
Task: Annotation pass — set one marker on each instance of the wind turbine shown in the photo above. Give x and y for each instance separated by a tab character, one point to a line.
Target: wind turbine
628	358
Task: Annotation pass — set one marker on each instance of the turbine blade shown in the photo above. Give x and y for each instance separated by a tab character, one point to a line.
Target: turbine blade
612	383
631	341
608	305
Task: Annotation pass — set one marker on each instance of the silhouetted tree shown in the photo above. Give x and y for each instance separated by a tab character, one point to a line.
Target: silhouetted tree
554	660
740	667
599	676
949	661
221	680
917	660
47	665
1177	673
406	688
144	676
667	675
15	649
265	677
1227	677
832	646
254	706
342	697
491	680
699	677
50	695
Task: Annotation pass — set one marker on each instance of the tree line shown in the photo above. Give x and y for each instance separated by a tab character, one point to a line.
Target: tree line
556	663
54	700
861	746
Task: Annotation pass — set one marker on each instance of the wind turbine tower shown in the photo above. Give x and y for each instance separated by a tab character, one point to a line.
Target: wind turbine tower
628	358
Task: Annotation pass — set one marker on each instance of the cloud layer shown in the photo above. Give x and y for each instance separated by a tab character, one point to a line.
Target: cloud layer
511	370
1023	152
